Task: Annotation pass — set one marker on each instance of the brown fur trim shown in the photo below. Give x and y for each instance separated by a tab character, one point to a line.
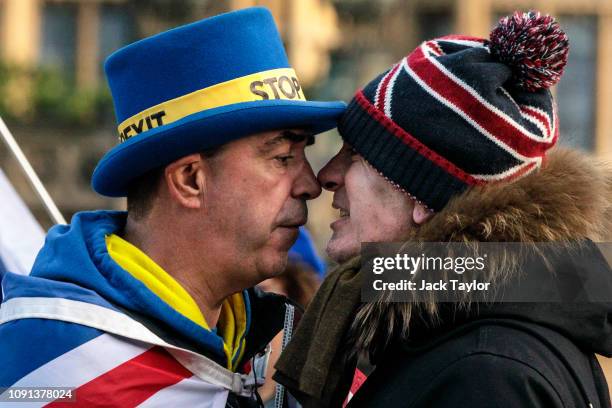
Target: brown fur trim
569	199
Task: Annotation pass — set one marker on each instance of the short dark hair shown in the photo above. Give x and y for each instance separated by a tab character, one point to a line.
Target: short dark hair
142	191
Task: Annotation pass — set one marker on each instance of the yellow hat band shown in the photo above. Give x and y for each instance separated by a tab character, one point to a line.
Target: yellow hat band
279	83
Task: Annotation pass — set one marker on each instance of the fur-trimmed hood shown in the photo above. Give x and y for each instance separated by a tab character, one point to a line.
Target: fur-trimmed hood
569	199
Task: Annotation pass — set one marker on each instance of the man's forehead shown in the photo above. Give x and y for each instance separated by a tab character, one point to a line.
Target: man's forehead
270	140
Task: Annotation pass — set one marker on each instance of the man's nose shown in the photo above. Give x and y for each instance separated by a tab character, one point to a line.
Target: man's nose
331	176
306	186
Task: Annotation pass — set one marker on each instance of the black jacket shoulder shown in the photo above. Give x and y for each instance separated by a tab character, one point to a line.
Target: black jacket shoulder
482	379
487	363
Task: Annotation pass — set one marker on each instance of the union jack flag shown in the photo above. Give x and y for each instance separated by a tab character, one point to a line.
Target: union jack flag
78	340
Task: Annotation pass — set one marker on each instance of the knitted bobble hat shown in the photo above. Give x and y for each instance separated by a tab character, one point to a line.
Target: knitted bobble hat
461	111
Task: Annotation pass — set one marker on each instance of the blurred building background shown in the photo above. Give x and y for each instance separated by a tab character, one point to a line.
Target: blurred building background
54	97
53	93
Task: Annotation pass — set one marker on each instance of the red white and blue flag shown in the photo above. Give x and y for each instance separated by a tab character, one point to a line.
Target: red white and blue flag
104	356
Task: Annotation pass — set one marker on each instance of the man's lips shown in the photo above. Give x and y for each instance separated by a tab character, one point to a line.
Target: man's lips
339	222
344	212
293	224
299	218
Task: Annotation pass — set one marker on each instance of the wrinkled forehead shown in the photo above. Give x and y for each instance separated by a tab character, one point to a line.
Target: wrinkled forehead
269	141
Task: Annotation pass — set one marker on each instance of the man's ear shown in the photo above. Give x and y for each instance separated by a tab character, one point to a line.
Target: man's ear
420	214
185	179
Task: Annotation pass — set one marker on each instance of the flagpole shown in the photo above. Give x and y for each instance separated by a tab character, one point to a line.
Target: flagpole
38	186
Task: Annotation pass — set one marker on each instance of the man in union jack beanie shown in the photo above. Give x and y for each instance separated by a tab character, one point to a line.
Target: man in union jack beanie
454	143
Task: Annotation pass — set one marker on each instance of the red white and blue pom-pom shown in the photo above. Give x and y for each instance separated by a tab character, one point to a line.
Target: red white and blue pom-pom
533	46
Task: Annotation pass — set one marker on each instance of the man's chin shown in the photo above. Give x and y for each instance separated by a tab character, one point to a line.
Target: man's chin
283	238
272	265
339	250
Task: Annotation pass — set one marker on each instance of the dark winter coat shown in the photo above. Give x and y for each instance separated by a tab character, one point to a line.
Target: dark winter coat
503	355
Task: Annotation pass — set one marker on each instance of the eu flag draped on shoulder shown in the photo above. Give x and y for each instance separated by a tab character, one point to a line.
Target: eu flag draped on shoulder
21	237
156	306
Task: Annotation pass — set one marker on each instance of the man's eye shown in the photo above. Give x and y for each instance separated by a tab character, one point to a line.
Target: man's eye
284	160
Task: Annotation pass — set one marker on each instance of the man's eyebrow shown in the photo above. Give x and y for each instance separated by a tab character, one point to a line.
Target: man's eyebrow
287	135
298	137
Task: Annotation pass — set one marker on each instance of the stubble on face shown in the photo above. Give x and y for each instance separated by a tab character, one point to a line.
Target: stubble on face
374	210
251	206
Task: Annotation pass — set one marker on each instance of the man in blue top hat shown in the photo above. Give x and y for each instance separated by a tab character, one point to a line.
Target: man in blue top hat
155	305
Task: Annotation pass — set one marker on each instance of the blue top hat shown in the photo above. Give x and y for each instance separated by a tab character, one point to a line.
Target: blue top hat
199	86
